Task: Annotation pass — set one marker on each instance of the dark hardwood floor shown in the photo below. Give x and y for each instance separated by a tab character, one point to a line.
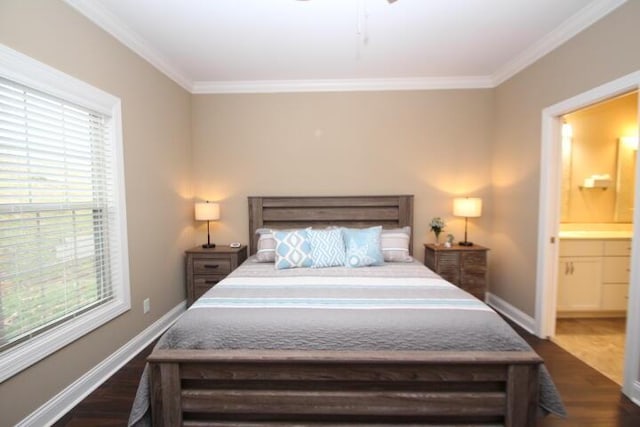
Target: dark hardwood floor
109	404
591	398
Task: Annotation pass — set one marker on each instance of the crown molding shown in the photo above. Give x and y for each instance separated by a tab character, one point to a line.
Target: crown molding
342	85
103	18
569	28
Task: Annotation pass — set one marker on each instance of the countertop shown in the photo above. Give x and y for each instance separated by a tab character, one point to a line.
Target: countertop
596	234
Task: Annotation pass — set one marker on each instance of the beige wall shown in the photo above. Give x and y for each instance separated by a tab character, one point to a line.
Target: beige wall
156	128
594	150
605	51
433	144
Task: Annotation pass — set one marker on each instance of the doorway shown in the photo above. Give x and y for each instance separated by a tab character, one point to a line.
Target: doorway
550	214
599	145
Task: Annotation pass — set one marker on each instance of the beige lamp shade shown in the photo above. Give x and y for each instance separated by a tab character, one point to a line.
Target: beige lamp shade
206	211
468	207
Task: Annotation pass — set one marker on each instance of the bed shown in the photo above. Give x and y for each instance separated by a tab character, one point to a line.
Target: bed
384	345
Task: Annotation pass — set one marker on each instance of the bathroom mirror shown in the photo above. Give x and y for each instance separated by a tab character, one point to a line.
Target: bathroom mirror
625	186
599	160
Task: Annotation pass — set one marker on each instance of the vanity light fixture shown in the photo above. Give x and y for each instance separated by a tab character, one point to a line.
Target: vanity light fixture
467	207
630	141
206	211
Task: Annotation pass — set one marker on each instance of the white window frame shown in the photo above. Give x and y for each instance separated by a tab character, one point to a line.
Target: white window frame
31	73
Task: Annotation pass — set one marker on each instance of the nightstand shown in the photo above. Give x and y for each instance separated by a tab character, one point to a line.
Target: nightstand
206	267
464	266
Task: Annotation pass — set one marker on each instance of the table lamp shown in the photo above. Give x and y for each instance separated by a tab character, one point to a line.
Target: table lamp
206	211
468	207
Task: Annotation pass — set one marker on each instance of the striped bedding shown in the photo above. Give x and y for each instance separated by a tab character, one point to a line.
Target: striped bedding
398	306
394	286
338	293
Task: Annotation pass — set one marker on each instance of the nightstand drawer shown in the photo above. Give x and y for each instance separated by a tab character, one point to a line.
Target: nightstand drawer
211	266
448	267
451	276
474	260
202	284
208	280
205	267
476	290
474	282
448	262
464	266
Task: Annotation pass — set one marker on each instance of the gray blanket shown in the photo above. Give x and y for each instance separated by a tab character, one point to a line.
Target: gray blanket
398	306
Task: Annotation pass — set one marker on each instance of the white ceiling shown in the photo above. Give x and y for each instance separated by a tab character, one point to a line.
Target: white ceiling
213	46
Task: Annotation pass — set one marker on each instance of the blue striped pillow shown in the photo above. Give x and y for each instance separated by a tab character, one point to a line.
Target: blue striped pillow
327	248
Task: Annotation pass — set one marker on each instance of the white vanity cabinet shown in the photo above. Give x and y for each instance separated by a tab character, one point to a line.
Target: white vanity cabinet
616	268
593	276
580	275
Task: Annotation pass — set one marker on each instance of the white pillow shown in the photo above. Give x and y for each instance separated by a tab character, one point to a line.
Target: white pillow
266	245
395	244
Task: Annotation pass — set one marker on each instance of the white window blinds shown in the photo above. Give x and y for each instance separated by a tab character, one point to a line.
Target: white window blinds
57	212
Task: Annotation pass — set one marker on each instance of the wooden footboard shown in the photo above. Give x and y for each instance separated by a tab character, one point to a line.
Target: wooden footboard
251	388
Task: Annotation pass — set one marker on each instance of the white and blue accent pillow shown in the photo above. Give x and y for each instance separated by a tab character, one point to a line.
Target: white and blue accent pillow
327	248
293	249
363	246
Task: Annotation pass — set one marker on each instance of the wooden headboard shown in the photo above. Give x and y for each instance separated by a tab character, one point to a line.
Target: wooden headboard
347	211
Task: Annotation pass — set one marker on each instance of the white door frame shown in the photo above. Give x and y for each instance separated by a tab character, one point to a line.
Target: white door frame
549	220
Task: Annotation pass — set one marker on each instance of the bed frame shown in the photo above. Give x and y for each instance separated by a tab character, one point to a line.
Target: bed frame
269	388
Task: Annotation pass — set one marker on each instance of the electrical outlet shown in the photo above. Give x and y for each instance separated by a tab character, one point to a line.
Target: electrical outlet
146	305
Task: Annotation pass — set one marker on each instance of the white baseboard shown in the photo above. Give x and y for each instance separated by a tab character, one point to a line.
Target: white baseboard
514	314
636	393
64	401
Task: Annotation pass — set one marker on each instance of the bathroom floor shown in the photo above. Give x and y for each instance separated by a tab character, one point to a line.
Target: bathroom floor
597	342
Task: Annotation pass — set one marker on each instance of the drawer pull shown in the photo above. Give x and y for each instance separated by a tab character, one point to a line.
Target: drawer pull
210	282
211	266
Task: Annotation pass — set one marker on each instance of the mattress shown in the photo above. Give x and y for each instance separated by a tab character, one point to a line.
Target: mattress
397	306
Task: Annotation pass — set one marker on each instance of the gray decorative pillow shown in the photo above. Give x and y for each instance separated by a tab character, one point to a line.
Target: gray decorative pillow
395	244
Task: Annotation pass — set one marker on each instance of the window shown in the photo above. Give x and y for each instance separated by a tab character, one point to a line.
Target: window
63	268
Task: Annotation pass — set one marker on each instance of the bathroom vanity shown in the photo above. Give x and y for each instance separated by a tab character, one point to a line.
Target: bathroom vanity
593	274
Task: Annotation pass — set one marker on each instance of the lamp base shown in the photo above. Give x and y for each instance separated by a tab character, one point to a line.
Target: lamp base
209	245
465	243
